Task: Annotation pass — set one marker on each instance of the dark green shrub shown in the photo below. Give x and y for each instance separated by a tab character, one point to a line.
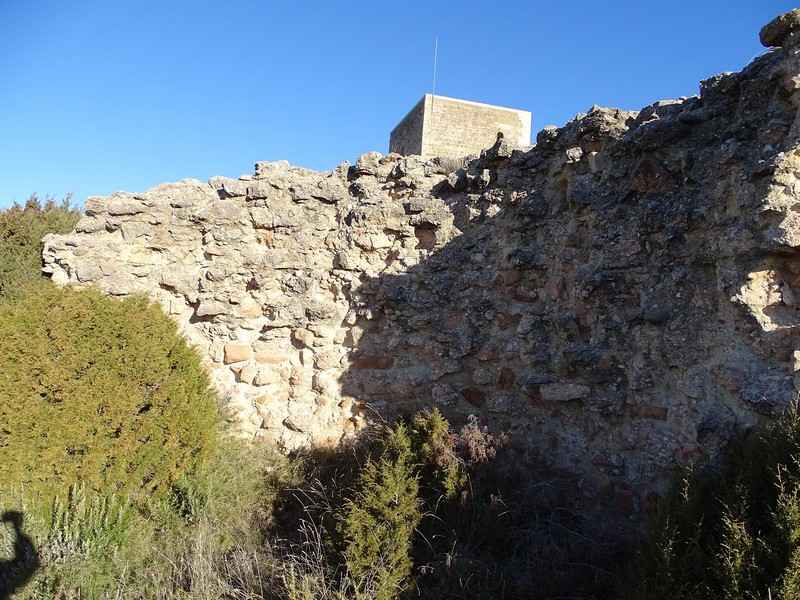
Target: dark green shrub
100	392
370	513
377	522
431	513
441	471
21	231
110	449
731	534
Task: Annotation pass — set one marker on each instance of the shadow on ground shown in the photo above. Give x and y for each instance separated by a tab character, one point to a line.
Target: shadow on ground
17	570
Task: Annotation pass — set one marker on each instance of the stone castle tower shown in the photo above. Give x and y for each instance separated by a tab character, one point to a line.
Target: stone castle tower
441	126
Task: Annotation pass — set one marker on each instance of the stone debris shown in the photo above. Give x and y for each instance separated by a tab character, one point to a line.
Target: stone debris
625	288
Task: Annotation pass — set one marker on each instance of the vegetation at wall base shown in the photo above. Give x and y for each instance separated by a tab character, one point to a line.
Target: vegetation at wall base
426	512
95	546
730	534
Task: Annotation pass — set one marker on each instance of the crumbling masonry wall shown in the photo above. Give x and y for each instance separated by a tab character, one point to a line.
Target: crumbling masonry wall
621	298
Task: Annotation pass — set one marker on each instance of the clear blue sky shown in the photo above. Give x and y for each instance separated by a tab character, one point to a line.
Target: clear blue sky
104	95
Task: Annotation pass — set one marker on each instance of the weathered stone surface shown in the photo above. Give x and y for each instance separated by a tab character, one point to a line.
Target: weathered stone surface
236	353
562	392
774	33
626	288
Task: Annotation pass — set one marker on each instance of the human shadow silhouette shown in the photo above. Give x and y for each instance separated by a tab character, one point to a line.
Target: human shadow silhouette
15	572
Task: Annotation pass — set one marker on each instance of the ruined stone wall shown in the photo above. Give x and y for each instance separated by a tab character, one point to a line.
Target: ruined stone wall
621	298
448	127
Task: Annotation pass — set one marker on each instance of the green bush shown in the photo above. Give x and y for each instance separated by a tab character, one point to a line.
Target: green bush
441	471
99	392
731	534
21	231
206	539
430	513
359	529
377	522
115	473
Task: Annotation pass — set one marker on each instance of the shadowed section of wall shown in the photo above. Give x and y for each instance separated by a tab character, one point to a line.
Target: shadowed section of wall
621	298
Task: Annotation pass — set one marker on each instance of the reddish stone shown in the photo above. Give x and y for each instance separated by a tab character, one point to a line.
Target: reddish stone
554	287
488	353
523	294
452	320
650	504
647	411
304	336
508	321
581	309
474	396
625	501
511	276
418	323
506	379
374	362
271	358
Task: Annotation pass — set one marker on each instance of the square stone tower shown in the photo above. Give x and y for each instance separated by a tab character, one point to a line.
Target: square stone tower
441	126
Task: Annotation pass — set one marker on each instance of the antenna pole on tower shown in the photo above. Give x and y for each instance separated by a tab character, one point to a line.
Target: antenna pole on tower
435	57
433	93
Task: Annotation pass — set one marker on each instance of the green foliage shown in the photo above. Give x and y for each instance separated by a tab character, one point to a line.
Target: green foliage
21	231
82	524
433	446
410	468
113	464
378	521
99	545
98	391
77	535
431	513
732	534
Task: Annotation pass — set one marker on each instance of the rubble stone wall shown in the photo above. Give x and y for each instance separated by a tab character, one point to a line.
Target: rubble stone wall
622	298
